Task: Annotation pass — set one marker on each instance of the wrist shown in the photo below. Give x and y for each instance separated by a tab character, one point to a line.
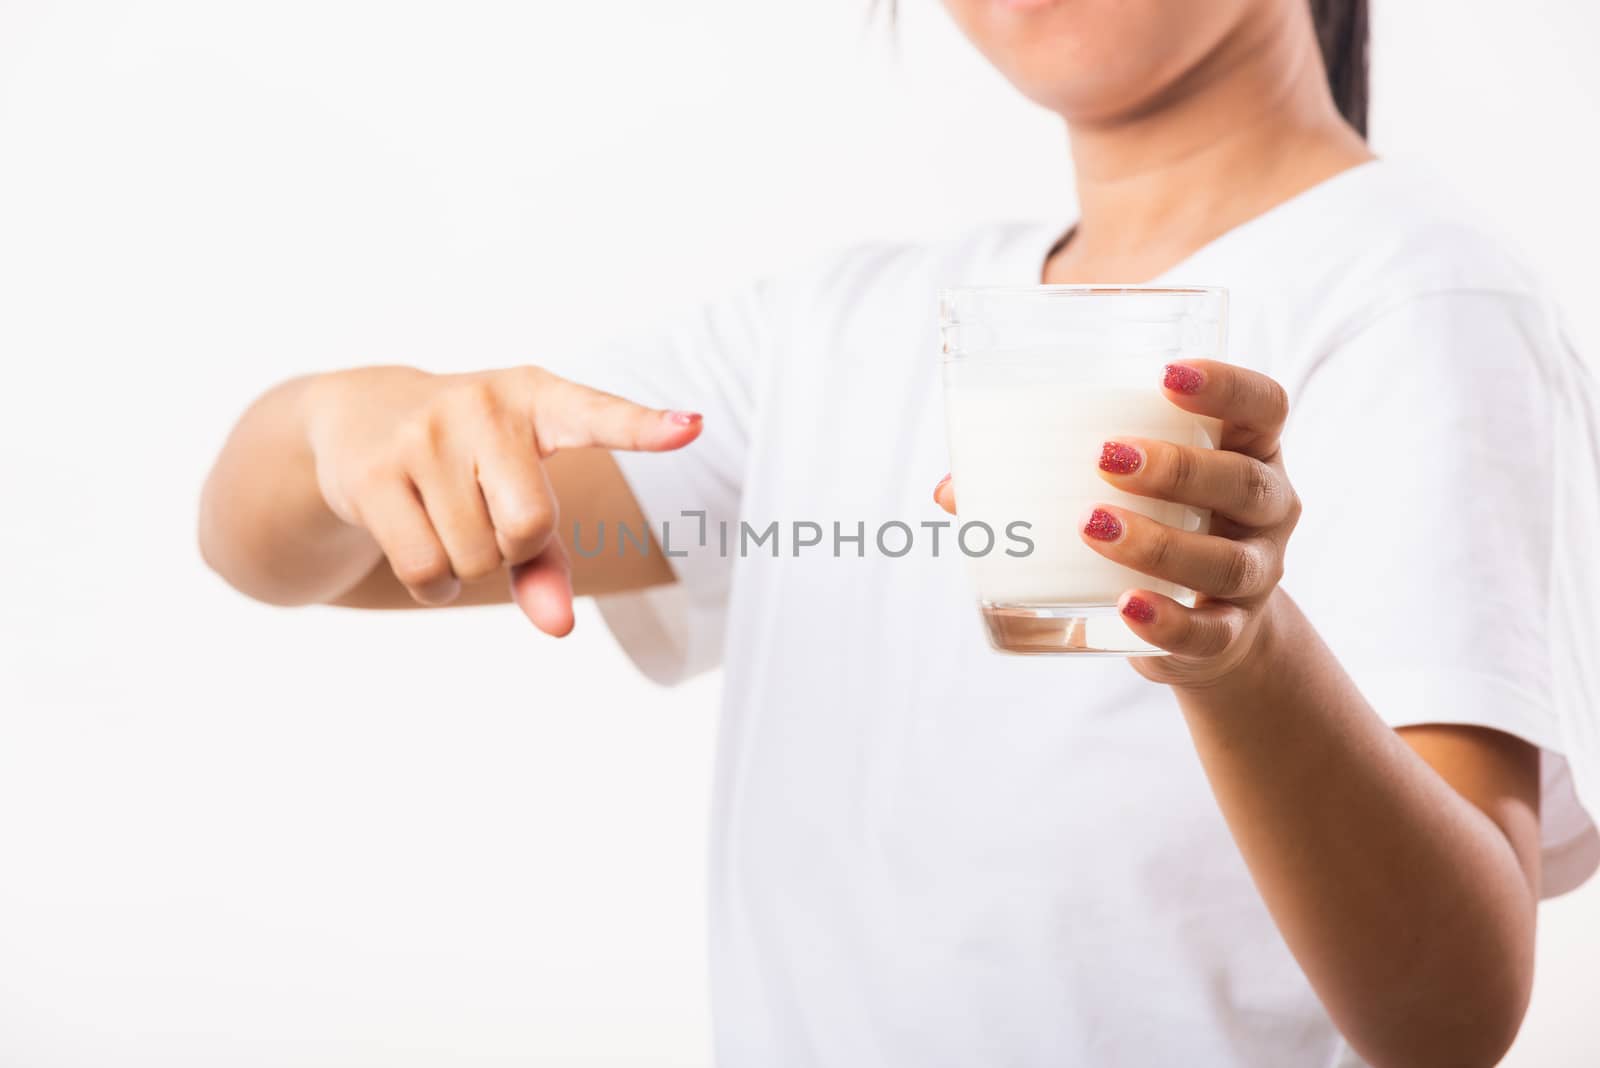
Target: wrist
310	400
316	402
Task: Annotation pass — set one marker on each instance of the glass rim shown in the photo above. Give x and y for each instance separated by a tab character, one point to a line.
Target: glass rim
1084	290
977	320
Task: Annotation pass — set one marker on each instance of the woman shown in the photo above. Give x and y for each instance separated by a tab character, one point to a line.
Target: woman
925	854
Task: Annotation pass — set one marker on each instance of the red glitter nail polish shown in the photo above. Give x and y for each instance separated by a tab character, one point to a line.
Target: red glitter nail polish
1139	610
1181	379
1103	526
1119	459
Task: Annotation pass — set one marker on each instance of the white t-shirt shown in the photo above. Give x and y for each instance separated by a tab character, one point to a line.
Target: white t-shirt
926	853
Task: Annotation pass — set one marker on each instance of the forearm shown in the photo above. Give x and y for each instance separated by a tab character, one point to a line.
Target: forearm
264	525
1404	903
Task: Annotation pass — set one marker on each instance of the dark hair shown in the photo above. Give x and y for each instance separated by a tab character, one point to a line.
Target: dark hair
1343	37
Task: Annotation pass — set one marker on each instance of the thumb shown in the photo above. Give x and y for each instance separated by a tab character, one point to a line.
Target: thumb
571	416
542	588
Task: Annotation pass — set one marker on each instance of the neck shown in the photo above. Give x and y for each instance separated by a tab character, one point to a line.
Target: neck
1246	129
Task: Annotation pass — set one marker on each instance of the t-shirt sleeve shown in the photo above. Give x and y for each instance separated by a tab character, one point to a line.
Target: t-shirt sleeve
709	361
1433	450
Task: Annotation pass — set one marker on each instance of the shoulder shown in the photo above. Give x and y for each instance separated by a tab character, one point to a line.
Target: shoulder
1371	235
1386	254
1416	238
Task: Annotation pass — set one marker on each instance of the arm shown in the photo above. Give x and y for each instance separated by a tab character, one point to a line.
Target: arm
1400	867
386	487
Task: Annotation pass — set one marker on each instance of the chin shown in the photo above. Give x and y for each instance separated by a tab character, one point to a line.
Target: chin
1093	59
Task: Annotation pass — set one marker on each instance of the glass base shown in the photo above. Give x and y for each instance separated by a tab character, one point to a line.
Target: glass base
1079	629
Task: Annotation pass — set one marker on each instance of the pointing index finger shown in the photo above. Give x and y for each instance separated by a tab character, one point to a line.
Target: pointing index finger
1251	405
571	416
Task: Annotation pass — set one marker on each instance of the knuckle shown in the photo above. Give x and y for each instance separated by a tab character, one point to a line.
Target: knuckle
1182	468
621	421
362	493
533	522
476	398
423	437
529	376
1261	492
1242	572
371	478
418	566
597	406
1157	550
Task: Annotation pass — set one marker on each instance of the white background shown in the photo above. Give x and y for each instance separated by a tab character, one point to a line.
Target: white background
234	835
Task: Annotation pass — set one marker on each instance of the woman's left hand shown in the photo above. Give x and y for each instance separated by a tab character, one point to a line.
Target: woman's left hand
1236	567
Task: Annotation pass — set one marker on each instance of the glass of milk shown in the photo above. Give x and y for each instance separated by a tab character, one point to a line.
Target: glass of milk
1037	380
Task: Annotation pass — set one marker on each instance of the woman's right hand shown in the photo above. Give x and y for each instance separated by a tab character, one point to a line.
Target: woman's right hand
446	474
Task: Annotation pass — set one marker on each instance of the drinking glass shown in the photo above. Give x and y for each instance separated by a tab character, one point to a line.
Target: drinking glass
1037	379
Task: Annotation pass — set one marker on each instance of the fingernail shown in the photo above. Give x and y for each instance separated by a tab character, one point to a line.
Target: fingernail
1183	379
939	486
1119	459
1139	610
683	418
1103	526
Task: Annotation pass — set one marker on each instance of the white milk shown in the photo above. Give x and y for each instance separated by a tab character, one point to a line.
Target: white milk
1025	446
